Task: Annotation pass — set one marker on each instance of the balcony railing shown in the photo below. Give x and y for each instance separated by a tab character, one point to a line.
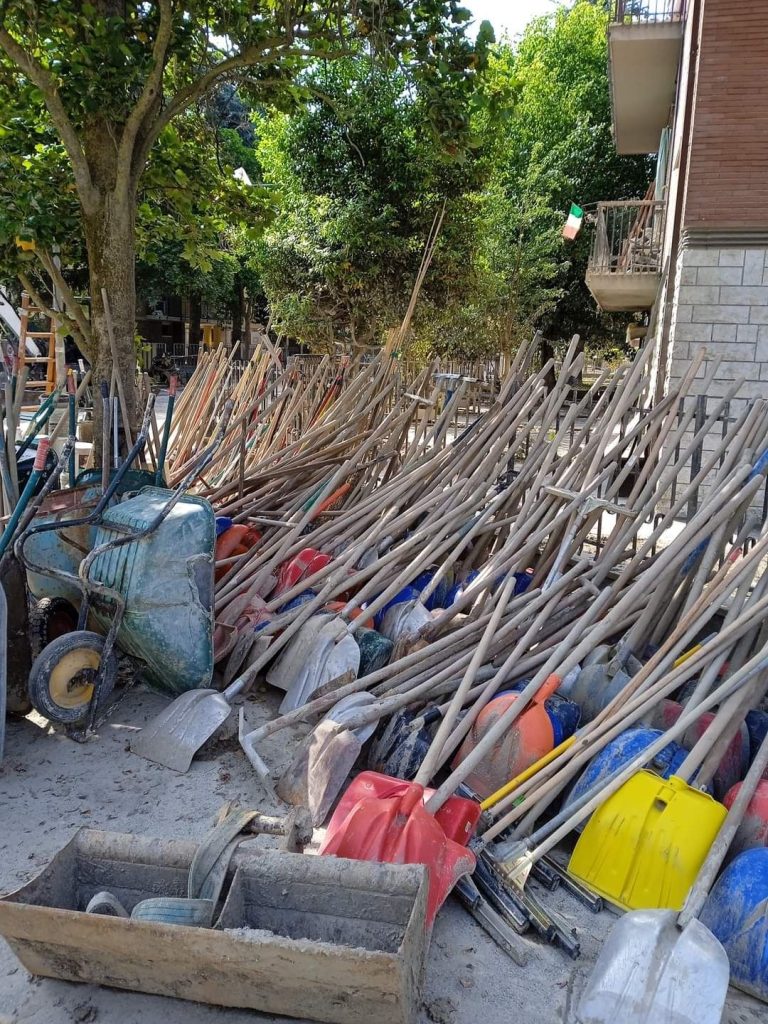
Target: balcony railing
628	237
643	12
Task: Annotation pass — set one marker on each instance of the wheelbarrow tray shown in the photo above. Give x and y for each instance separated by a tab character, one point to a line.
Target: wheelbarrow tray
166	580
62	549
310	937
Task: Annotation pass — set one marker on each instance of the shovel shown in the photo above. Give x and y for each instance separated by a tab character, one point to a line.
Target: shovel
645	845
666	968
396	825
180	730
323	761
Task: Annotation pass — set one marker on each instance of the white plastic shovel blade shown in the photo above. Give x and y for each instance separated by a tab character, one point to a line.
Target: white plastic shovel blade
405	619
291	663
650	972
333	654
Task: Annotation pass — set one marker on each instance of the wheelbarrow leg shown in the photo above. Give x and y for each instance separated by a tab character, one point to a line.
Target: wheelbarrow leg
80	733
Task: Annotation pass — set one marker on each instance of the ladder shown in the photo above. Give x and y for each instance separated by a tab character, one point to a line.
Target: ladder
48	384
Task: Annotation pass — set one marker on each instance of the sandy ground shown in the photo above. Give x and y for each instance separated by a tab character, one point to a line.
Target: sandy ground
50	786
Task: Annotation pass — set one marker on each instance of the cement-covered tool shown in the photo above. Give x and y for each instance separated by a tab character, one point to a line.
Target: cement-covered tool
517	856
180	730
400	826
644	846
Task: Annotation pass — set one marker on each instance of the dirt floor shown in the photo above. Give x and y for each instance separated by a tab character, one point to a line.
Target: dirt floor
50	786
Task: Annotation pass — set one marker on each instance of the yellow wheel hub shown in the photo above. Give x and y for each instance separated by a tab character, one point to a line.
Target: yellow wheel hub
69	686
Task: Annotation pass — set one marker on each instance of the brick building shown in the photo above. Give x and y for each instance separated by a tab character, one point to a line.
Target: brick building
689	82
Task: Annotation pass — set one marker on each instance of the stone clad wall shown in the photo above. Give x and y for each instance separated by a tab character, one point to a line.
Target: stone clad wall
722	303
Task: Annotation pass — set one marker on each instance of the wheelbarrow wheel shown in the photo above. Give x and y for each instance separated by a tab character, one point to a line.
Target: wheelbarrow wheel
61	680
50	618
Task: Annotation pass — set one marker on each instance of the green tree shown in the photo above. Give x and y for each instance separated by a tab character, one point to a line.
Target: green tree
102	81
196	219
562	125
358	178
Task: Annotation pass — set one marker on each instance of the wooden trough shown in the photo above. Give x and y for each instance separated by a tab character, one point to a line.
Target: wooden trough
312	937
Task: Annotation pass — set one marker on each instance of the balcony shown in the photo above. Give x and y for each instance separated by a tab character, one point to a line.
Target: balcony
624	269
644	46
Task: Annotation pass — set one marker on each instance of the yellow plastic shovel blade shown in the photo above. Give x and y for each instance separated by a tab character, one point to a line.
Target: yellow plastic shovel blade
644	846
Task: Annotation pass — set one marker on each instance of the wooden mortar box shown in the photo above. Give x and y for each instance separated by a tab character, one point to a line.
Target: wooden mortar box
316	937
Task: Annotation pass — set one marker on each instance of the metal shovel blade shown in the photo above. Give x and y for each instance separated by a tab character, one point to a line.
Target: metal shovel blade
651	972
293	661
324	760
177	733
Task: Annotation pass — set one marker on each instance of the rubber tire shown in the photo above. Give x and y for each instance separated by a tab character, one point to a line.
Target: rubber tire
49	659
51	617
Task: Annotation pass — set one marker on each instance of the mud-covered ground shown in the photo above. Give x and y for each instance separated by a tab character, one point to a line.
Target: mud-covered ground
51	786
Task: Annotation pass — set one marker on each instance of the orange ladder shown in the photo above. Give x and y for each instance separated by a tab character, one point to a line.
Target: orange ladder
48	384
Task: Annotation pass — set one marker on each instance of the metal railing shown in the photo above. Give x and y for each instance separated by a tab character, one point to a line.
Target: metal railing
628	237
643	12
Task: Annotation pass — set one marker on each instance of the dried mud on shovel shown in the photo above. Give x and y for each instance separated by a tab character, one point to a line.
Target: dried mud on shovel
319	769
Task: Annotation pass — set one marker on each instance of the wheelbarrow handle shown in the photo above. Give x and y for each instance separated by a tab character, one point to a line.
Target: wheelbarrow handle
26	516
38	421
95	515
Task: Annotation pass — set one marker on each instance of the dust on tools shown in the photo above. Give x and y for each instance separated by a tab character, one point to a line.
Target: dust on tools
72	677
657	965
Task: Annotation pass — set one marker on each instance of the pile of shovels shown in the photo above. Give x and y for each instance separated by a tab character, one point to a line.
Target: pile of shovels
515	628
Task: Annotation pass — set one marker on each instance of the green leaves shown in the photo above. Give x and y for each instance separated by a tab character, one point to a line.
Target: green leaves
353	126
359	177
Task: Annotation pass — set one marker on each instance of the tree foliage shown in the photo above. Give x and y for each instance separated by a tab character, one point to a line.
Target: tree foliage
104	80
563	125
122	123
358	178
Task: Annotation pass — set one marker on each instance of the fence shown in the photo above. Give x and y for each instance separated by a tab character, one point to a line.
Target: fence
708	450
631	12
628	237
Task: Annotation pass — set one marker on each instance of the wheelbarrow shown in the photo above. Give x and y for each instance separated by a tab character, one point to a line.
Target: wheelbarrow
15	645
146	586
74	514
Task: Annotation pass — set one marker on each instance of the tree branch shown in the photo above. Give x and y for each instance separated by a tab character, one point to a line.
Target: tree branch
74	307
194	90
150	96
48	86
189	93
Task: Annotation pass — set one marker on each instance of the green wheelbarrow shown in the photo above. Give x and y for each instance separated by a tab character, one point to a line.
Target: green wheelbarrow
146	588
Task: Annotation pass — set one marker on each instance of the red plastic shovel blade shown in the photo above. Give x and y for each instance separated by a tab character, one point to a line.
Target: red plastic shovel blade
398	830
307	562
457	817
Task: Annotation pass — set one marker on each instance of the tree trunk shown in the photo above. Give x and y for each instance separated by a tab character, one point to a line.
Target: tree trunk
110	239
547	353
195	318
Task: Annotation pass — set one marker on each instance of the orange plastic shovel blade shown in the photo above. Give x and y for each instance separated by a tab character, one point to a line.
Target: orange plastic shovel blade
457	817
398	830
